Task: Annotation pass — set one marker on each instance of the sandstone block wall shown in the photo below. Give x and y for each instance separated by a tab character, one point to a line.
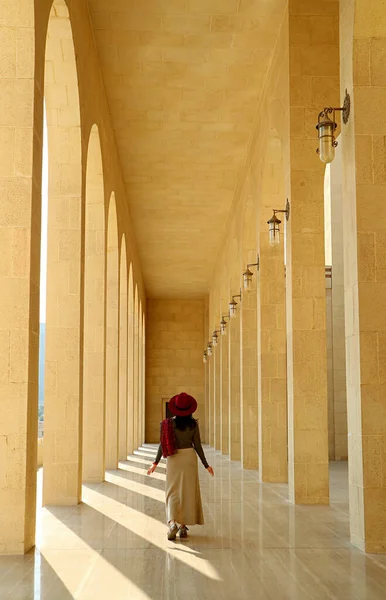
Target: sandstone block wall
174	347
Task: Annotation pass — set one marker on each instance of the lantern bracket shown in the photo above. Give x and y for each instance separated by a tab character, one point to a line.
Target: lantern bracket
345	110
324	116
286	211
256	264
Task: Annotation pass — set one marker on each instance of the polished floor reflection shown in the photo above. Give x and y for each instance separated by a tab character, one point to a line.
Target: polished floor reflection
255	545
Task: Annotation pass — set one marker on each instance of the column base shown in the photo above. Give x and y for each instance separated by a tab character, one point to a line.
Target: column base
357	542
15	549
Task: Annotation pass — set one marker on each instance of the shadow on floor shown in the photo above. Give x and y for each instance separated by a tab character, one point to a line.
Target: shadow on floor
30	576
147	506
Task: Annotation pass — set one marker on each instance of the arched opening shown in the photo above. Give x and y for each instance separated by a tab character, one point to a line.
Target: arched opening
112	335
63	402
94	315
136	369
130	365
123	322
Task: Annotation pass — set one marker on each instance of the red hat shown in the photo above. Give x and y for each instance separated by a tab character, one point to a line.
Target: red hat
182	405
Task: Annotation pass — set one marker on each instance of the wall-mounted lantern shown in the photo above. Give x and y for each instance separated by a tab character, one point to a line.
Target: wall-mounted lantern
326	129
274	224
223	324
209	349
247	275
215	337
205	358
233	305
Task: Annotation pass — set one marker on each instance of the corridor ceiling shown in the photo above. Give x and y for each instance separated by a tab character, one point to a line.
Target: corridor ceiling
183	80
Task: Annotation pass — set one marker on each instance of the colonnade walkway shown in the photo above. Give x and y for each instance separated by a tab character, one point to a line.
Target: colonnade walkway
255	544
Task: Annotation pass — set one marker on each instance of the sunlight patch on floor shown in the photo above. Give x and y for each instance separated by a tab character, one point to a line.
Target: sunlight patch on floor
150	529
135	486
74	568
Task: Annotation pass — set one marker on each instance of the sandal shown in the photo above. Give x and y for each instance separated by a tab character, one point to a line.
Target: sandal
183	532
172	531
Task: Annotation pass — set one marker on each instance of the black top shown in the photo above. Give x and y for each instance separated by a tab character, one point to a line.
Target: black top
189	438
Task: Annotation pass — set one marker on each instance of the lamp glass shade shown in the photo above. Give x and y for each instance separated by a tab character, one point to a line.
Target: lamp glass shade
223	327
247	276
274	234
205	358
209	350
326	141
232	309
214	339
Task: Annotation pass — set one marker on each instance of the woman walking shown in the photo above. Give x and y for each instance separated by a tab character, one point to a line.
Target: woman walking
180	441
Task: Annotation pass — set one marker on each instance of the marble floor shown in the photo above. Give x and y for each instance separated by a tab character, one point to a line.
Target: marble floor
255	544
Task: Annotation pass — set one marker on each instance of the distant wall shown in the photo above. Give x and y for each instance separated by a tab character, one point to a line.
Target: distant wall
174	347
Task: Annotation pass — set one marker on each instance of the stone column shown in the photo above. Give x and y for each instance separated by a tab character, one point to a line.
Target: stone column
136	370
206	384
64	361
272	389
123	308
20	199
143	377
206	371
249	380
225	393
138	442
218	397
363	46
112	340
62	434
130	366
93	463
211	375
314	84
140	379
235	411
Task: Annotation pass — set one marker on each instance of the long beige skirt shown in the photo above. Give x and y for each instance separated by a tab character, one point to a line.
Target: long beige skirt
183	496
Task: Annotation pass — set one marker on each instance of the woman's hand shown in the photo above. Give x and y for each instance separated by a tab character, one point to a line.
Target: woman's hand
152	469
210	470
